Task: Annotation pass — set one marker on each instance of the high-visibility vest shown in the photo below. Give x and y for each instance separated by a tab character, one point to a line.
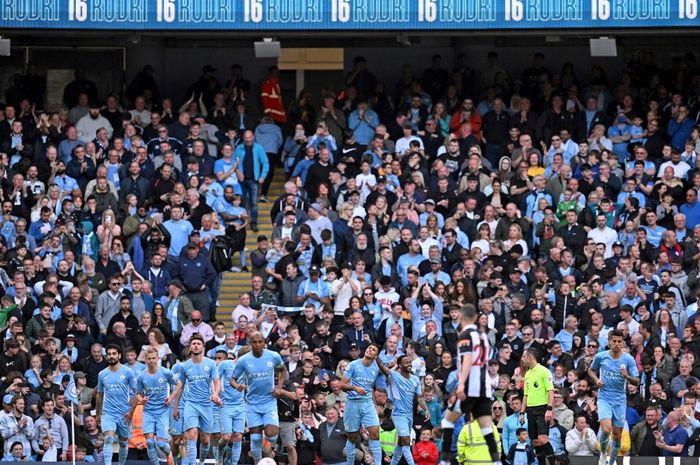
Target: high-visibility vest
388	441
472	447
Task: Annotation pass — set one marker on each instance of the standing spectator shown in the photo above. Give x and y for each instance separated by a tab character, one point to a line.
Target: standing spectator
271	96
252	171
643	435
333	438
56	426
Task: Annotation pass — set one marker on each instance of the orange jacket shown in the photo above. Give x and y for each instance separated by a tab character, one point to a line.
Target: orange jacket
271	97
138	440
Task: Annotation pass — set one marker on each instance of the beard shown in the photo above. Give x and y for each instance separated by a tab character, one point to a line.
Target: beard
112	362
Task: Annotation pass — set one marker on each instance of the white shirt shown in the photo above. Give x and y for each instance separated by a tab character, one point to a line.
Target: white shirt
679	170
607	236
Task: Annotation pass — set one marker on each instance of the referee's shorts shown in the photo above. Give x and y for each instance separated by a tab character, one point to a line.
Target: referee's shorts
536	425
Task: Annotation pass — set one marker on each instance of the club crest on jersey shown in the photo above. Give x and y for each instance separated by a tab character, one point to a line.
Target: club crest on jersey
161	380
536	384
269	364
122	377
206	368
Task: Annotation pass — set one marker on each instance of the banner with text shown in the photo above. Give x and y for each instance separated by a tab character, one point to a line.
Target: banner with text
308	15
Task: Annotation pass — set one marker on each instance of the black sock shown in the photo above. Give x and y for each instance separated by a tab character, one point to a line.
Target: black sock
549	452
493	447
447	443
541	453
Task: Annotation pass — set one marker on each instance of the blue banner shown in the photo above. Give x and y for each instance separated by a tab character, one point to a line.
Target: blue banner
308	15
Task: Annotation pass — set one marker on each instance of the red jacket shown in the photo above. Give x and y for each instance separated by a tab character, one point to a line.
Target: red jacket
271	97
428	447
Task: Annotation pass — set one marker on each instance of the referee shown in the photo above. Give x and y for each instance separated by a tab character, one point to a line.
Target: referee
537	402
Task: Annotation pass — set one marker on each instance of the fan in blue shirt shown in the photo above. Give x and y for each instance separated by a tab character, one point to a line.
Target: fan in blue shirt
200	378
616	369
358	380
116	387
158	386
258	369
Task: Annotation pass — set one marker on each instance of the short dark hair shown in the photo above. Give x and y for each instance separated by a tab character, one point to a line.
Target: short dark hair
116	347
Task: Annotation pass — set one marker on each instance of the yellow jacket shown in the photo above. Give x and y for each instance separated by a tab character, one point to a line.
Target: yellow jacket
471	445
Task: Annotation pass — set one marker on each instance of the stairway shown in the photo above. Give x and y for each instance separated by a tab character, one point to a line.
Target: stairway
232	284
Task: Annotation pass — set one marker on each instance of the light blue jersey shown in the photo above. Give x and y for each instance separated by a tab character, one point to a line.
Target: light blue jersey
614	389
157	387
177	426
362	376
197	378
259	373
612	396
117	387
402	391
232	398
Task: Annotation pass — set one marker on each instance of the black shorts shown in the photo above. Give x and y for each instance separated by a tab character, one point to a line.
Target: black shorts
477	406
536	425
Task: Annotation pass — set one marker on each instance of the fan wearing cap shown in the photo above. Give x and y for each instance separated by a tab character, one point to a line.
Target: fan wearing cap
15	426
436	274
313	290
344	288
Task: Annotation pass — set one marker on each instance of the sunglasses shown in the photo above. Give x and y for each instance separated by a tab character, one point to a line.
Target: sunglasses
498	408
111	284
592	346
197	320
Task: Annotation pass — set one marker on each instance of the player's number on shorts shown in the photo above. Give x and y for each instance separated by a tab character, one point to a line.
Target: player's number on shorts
340	10
427	10
687	9
253	11
165	11
600	9
514	10
77	10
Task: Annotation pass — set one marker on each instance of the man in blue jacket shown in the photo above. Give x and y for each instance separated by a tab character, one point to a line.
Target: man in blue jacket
195	271
252	170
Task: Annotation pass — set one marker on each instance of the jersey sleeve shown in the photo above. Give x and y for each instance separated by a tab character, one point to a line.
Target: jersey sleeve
547	378
139	384
214	371
277	359
100	385
465	346
183	374
596	362
632	367
132	380
237	370
349	371
418	390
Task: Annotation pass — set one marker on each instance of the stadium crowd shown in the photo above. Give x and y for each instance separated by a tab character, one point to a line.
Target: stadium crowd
564	209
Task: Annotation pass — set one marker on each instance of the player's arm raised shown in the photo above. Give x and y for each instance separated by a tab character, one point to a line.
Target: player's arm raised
383	368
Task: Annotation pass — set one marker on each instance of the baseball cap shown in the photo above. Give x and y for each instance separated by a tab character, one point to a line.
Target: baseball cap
346	266
317	206
429	201
314	269
8	397
617	244
192	245
70	337
262	237
434	260
78	374
354	345
381	179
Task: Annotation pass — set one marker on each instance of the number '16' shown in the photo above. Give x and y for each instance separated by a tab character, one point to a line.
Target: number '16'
165	11
77	10
427	10
252	10
514	10
600	9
